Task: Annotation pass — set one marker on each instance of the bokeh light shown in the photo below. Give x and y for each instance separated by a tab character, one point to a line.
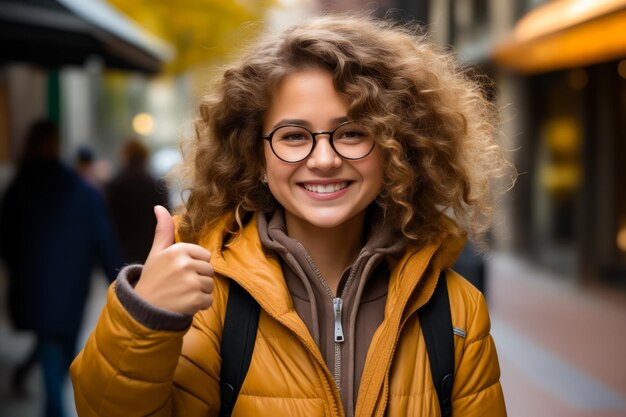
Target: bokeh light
621	239
143	124
621	68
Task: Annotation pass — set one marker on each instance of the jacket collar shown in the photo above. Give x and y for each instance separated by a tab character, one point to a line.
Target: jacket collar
242	257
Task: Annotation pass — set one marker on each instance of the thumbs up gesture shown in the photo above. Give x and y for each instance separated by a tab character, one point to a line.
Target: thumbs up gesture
176	277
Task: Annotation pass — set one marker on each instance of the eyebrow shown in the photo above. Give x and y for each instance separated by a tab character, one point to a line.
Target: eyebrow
306	123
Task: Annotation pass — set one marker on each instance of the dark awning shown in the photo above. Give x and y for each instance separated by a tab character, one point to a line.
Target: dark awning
54	33
565	34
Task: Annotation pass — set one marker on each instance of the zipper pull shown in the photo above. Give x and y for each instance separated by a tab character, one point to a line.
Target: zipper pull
338	304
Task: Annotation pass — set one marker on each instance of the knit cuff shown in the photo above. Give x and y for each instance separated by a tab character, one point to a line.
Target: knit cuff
145	313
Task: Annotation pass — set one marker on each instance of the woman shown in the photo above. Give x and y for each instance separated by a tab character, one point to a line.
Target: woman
344	159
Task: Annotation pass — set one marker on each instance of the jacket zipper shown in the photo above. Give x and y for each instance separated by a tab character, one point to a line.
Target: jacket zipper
339	337
337	307
338	326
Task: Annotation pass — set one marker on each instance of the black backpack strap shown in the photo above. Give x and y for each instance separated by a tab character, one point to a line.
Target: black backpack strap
238	337
436	324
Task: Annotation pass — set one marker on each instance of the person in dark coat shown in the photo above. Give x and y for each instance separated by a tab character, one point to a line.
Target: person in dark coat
54	229
132	193
471	265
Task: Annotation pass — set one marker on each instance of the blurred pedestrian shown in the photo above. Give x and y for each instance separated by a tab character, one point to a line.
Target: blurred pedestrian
132	193
96	172
54	227
471	265
335	171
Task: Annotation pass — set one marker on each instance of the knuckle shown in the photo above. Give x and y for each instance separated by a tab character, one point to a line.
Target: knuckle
178	246
169	254
182	263
176	249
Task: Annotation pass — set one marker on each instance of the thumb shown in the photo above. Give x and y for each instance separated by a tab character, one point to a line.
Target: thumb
164	233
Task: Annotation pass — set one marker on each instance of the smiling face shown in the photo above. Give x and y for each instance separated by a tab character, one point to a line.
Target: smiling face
324	190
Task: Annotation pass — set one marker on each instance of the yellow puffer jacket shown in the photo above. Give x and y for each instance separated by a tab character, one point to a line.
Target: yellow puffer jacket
129	370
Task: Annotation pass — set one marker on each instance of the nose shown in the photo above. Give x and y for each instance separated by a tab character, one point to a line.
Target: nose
324	156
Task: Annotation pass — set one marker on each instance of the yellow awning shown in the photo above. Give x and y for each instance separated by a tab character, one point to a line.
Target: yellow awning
565	34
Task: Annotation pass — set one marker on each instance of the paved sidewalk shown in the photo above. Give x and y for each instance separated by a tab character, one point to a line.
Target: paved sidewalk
15	346
562	348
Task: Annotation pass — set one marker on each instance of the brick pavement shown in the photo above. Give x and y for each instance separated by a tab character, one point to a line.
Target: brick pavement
561	346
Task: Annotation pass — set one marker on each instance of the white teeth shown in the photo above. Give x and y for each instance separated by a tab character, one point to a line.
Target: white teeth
326	188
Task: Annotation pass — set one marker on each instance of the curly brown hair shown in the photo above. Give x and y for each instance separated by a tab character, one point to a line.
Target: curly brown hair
435	128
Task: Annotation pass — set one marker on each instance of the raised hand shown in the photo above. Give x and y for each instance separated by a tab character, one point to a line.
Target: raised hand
176	277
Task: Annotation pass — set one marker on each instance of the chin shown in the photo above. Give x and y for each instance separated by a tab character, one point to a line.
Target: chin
327	224
328	220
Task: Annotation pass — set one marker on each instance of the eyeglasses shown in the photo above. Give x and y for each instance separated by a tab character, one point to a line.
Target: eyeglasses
294	143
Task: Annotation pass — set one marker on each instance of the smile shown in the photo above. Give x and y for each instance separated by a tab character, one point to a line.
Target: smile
325	188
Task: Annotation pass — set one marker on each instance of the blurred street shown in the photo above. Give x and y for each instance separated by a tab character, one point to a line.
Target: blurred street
561	347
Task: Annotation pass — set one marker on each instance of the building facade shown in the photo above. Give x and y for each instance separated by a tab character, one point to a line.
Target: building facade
560	73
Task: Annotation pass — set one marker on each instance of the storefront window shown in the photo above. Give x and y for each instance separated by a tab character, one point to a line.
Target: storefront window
558	173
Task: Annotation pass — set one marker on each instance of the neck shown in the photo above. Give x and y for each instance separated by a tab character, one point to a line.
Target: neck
332	249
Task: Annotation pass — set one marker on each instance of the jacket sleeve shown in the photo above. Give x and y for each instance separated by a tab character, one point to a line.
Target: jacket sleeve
129	369
476	390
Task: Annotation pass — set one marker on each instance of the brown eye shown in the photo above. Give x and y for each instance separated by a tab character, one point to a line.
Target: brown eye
292	134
